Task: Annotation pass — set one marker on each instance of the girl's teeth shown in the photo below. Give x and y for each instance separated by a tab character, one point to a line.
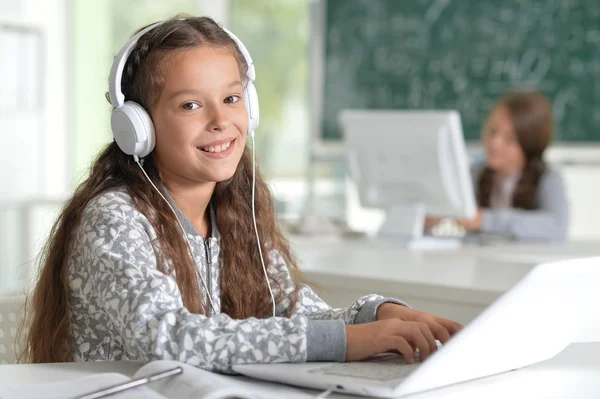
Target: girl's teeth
217	148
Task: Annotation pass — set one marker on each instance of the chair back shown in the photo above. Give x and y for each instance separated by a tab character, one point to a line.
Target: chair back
12	310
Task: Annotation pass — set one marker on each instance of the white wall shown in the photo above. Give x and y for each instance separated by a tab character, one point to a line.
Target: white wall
582	183
35	149
50	146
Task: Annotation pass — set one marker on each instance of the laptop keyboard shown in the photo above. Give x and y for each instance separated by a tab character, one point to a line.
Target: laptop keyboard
378	368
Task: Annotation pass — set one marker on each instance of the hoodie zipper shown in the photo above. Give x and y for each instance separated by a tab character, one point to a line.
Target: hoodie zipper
208	272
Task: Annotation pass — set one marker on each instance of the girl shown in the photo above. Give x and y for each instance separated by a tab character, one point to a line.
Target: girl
518	195
160	260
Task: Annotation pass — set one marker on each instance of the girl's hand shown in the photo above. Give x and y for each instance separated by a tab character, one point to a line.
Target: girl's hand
441	328
431	222
472	224
393	335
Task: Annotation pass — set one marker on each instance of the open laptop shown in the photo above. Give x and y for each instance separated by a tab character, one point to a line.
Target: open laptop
535	320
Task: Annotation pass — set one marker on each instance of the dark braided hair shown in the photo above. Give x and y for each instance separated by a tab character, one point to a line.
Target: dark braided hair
531	114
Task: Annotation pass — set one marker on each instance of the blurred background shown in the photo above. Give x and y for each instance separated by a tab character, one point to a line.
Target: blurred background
313	58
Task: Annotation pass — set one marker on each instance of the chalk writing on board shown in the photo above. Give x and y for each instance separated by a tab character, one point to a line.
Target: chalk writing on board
451	54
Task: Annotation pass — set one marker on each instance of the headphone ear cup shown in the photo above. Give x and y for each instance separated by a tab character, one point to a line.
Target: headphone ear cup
133	129
252	107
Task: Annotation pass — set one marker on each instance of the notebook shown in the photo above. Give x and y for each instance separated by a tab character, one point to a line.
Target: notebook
535	320
192	383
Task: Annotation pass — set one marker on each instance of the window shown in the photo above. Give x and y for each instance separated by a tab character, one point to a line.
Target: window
276	33
99	28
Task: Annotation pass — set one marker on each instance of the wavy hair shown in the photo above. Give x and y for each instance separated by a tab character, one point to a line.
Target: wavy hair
243	288
531	115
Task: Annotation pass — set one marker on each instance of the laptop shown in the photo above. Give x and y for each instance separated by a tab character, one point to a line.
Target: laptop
533	321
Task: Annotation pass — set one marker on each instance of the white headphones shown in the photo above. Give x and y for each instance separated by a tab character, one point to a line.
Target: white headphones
131	125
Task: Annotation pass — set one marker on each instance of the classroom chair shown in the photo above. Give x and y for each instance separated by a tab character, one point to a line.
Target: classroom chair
12	309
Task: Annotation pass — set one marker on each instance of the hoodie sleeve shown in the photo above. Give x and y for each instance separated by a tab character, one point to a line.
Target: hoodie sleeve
363	310
115	272
550	222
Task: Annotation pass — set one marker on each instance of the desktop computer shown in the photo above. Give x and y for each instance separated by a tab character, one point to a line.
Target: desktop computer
412	164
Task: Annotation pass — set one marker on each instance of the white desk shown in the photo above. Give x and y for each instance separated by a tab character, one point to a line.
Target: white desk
457	284
571	374
461	283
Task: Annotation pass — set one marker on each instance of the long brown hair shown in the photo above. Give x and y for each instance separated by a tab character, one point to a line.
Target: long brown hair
531	114
243	287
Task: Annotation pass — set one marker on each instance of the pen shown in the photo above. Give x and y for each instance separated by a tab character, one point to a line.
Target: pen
104	392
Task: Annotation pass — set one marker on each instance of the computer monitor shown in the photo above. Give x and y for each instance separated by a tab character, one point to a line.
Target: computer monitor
411	164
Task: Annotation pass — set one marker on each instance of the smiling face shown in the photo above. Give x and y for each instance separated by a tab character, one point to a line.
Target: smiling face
200	117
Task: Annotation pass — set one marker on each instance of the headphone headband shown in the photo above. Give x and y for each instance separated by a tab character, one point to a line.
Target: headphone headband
116	96
132	126
251	72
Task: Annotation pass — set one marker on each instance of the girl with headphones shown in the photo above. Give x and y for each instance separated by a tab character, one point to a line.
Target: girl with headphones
159	253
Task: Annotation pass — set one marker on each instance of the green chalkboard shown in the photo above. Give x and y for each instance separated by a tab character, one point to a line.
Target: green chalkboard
463	54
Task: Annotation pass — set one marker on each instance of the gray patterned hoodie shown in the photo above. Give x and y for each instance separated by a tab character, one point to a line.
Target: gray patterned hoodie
122	307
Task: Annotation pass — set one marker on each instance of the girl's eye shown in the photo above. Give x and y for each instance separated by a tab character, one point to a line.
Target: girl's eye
189	106
232	99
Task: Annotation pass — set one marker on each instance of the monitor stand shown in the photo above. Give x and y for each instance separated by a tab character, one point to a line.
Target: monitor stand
404	223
